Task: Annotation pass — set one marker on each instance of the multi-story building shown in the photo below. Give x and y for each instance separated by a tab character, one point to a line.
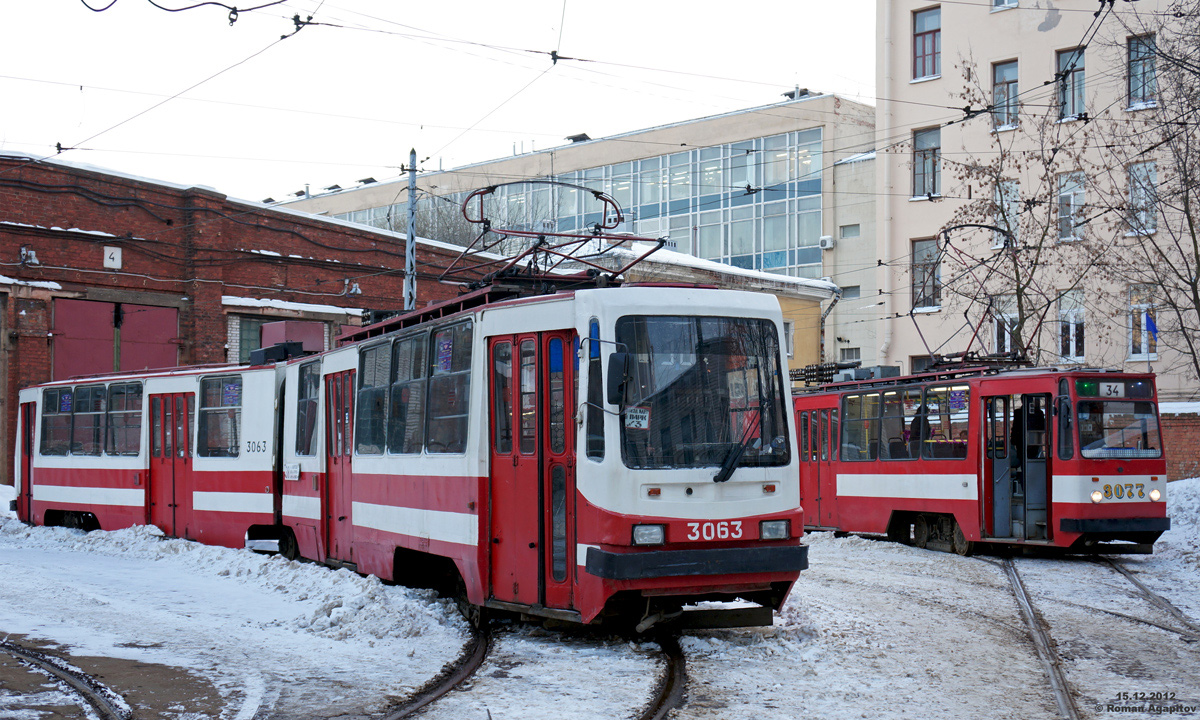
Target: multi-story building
784	189
1029	119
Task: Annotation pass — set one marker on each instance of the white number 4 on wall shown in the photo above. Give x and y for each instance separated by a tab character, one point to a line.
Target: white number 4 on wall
112	258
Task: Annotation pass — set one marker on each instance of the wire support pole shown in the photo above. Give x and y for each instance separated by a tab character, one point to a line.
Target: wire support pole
410	242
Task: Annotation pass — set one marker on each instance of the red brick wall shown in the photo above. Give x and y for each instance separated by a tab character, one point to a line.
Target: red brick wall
1181	441
181	247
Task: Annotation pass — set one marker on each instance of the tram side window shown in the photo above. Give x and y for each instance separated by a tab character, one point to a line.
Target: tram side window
124	435
944	429
57	404
220	421
860	432
406	410
1066	430
896	441
449	389
595	404
306	408
804	437
87	423
374	376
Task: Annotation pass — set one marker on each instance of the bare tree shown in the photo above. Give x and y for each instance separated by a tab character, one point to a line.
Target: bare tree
1152	189
1014	259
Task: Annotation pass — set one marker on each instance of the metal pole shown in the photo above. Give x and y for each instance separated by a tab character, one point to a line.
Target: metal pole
410	242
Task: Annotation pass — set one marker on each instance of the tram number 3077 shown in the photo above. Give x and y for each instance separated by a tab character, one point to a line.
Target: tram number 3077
725	530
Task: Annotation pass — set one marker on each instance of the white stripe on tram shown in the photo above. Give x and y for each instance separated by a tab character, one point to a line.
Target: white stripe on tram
125	497
233	502
300	506
912	487
451	527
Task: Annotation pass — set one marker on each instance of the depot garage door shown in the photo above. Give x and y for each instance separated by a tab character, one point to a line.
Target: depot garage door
99	337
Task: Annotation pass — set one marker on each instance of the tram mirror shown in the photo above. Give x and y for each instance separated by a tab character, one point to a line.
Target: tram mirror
618	372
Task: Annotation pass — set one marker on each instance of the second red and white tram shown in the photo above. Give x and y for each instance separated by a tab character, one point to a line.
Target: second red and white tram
622	451
1032	457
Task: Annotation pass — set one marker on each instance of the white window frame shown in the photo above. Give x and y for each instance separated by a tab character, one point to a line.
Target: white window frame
1072	197
1141	302
789	337
1006	106
1073	327
1143	210
1006	198
1071	88
1141	81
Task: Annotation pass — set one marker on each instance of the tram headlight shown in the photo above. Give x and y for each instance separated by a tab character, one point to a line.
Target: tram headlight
649	534
1155	495
773	530
1097	496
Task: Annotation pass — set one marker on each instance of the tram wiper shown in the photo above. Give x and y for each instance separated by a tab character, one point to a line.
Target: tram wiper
734	458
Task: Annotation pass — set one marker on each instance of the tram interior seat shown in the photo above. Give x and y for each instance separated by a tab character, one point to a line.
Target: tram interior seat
897	449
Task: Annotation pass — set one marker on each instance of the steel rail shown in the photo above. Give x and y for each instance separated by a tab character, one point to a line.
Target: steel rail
451	677
1155	599
103	700
671	687
1063	696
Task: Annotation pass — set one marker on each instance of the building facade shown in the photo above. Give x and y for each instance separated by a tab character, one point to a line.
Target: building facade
1016	116
105	273
769	189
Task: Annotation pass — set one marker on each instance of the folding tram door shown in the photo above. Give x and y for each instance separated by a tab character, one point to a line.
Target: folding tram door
1016	496
531	483
336	490
168	499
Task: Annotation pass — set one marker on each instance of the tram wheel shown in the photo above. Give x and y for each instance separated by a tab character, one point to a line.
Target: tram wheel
961	545
921	531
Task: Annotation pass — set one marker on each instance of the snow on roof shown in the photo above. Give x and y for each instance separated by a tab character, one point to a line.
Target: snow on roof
55	228
1179	408
299	214
861	157
285	305
671	257
46	285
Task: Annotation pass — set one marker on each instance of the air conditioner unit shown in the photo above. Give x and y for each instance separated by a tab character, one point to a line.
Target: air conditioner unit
826	242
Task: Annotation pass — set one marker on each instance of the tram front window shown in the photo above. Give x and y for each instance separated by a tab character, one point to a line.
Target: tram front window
699	388
1118	429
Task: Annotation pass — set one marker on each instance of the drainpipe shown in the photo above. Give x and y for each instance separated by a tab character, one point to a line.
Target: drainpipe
884	219
837	295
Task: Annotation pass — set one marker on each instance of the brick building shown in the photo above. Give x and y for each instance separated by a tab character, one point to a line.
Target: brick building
105	272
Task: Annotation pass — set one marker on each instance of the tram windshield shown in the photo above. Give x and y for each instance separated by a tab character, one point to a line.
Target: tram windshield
1118	429
700	388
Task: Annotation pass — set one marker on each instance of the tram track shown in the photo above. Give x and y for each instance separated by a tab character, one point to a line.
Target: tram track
1192	627
668	692
451	677
93	694
1064	697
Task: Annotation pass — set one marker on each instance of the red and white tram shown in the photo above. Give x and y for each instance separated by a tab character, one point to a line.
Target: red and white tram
1040	457
621	451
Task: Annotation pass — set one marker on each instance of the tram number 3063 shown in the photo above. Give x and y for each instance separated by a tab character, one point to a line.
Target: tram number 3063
724	530
1128	490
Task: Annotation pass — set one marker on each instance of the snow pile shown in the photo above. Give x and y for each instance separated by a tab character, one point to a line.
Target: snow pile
1182	542
339	605
7	494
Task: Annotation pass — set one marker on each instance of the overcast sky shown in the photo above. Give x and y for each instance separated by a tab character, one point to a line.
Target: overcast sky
462	82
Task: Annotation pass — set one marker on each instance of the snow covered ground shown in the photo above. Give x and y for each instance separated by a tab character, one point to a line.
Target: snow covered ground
873	629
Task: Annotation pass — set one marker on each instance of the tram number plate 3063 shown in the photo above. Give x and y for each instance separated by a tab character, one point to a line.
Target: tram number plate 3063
724	530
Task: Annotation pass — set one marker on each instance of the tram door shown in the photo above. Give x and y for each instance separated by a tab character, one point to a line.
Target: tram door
168	498
826	480
336	525
532	473
808	468
1018	455
25	499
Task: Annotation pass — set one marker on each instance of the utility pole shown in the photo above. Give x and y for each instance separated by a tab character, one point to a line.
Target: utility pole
410	242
